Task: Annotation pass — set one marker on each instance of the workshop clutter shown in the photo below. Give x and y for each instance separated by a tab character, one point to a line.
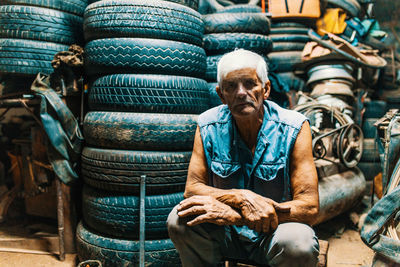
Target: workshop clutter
145	63
31	33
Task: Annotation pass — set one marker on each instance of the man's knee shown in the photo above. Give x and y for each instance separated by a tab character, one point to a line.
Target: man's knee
176	228
295	241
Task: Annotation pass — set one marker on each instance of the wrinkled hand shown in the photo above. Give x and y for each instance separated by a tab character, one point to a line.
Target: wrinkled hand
258	212
209	210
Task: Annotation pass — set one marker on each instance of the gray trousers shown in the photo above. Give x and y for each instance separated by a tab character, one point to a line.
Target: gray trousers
291	244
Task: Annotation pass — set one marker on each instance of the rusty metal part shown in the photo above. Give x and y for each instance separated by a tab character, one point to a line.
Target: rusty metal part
60	219
339	192
350	145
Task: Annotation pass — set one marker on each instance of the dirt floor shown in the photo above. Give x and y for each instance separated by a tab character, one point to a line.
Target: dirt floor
345	246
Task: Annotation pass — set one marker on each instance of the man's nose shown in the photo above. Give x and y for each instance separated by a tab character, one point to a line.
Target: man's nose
241	90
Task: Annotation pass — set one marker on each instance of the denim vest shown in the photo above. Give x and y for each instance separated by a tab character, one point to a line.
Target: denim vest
232	165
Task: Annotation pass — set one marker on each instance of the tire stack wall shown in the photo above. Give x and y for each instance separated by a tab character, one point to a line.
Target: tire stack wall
31	33
241	26
145	62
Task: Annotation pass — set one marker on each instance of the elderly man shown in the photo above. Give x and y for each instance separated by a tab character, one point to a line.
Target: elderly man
252	187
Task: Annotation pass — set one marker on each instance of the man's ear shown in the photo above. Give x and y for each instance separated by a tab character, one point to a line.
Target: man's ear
267	89
218	89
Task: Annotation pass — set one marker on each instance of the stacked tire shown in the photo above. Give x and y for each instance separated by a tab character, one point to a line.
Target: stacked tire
146	62
31	33
390	82
289	39
241	26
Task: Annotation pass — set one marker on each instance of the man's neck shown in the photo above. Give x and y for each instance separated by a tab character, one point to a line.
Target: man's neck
248	128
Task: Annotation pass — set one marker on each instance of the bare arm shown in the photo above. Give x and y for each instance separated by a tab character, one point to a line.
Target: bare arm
304	181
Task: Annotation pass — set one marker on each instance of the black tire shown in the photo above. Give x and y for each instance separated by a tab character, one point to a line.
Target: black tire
149	93
140	55
368	128
245	8
292	38
370	169
374	109
285	61
140	131
143	19
194	4
370	151
38	23
120	170
122	252
76	7
28	57
214	98
118	215
287	46
352	7
220	43
288	25
289	30
236	22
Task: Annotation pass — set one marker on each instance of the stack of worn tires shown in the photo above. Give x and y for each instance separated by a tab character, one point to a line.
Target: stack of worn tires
31	33
145	61
289	39
238	26
390	82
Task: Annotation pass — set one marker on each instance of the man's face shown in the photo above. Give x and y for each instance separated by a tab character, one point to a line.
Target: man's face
243	92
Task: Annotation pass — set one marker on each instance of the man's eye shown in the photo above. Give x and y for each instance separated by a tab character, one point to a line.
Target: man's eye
249	84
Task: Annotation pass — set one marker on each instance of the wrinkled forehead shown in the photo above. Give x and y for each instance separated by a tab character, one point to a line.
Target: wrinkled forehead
240	74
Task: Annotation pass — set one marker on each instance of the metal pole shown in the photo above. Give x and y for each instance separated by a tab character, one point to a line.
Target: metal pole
60	219
142	218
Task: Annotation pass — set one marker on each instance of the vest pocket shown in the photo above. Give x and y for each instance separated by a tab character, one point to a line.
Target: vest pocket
269	171
223	169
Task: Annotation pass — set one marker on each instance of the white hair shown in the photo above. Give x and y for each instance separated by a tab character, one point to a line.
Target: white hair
240	59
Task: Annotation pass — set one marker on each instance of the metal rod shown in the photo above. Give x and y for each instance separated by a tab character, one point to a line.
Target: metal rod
60	219
142	219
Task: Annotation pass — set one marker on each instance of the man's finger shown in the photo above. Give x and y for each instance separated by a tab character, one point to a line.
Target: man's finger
189	202
194	210
266	225
200	219
281	207
258	226
273	222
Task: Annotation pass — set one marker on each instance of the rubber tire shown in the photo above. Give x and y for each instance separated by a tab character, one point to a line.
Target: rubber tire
244	8
368	128
149	93
289	30
215	100
117	214
194	4
143	19
18	56
236	22
285	61
220	43
287	46
292	38
41	24
144	55
370	169
370	151
281	24
211	71
120	170
352	7
122	252
140	131
76	7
